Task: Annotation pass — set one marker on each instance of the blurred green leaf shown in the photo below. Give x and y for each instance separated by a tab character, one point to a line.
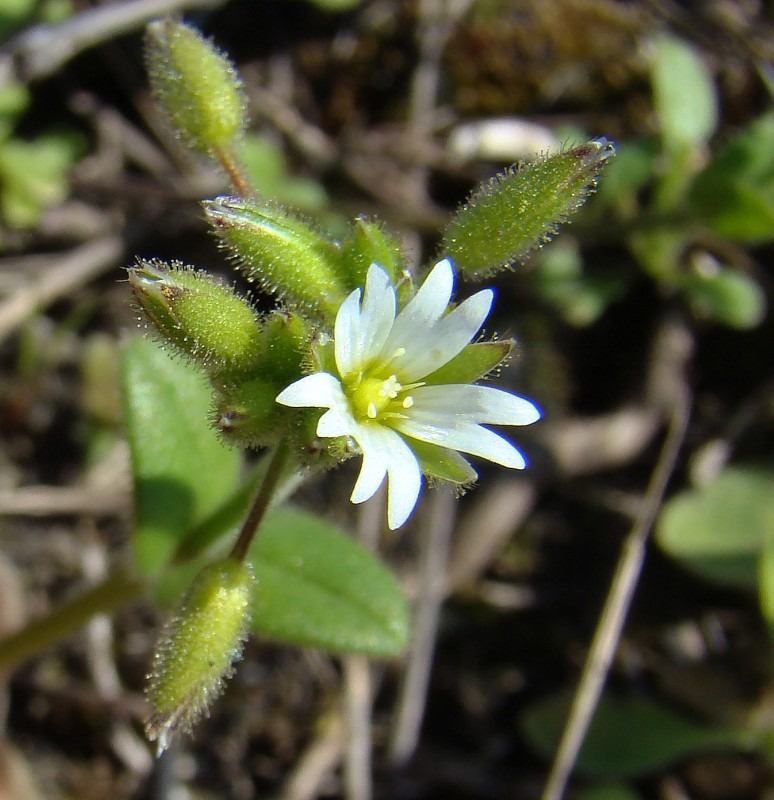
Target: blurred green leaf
719	530
182	472
683	93
732	298
316	586
335	5
267	169
33	176
627	737
580	298
608	791
766	578
734	195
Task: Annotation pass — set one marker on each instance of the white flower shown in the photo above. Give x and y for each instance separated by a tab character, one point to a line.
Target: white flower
378	396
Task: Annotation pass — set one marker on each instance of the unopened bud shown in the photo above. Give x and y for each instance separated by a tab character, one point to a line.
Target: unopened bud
522	207
196	653
368	244
285	255
195	85
204	320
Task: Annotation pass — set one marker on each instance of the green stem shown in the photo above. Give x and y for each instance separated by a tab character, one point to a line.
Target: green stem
235	172
118	588
261	503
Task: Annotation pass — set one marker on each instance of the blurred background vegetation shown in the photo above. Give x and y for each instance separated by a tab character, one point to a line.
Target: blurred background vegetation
647	321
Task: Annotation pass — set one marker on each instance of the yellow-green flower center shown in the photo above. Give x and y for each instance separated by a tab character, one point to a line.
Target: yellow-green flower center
372	398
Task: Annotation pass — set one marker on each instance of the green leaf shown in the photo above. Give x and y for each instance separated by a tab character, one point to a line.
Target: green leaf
735	193
265	164
182	472
608	791
316	586
766	579
684	95
729	297
33	176
718	531
627	737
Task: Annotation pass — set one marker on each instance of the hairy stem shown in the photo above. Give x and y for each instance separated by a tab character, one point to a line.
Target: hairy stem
117	589
261	503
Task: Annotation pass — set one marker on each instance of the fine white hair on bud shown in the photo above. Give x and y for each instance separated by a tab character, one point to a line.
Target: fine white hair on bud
197	650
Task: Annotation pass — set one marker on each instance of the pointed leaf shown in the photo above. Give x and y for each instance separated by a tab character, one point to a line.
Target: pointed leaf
317	586
719	530
181	471
628	736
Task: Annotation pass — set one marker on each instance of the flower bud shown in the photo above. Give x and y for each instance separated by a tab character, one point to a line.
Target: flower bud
521	208
198	648
205	320
285	255
369	244
195	85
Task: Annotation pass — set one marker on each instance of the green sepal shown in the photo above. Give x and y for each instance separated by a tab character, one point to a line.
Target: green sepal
246	414
368	244
286	341
283	254
204	320
443	464
198	648
473	362
195	85
521	208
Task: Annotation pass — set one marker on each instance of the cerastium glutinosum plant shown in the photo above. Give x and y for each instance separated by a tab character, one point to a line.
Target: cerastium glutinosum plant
358	358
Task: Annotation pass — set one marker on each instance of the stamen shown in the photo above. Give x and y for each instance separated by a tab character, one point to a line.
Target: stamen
371	411
399	351
408	402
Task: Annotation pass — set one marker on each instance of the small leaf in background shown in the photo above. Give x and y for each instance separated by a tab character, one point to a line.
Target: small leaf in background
608	791
33	177
684	95
766	578
628	736
559	276
725	295
335	6
182	472
719	530
734	195
316	586
265	164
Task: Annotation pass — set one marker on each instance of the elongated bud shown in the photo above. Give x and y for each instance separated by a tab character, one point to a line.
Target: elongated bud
195	85
521	208
283	254
205	320
196	653
368	244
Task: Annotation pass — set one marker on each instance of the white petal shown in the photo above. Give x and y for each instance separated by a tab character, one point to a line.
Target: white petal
483	404
372	471
361	329
346	335
336	423
378	312
437	345
384	449
423	310
319	390
467	438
